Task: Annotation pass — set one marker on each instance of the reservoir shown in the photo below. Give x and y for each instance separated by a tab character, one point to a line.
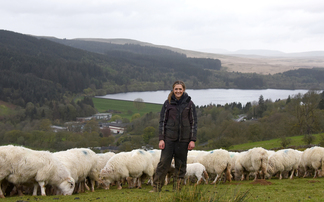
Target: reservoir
203	97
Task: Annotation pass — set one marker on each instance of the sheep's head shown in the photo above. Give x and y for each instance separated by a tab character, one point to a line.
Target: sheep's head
67	186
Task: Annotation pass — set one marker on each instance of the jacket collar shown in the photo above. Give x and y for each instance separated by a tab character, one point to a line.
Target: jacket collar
185	98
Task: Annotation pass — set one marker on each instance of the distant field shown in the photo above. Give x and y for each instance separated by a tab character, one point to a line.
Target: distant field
275	143
125	108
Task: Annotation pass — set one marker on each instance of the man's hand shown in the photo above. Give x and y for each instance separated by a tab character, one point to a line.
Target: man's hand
161	144
191	145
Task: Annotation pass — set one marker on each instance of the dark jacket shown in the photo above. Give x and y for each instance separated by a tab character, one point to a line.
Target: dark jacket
178	120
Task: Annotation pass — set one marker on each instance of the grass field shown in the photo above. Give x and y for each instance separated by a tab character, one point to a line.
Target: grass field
126	108
275	143
298	189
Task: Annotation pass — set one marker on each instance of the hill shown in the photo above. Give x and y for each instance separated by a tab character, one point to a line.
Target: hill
36	69
245	61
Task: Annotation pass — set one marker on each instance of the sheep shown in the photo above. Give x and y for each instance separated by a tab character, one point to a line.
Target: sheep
198	170
20	165
102	161
192	155
270	152
191	158
312	158
127	164
81	162
283	160
216	161
156	155
254	160
234	156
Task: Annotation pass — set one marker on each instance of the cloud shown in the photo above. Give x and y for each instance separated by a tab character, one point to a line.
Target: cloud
290	25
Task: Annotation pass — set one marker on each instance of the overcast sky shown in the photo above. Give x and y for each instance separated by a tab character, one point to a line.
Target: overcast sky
283	25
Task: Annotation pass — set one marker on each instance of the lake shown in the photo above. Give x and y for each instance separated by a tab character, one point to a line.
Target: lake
209	96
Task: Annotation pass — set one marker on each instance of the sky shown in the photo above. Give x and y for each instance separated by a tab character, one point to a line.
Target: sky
205	25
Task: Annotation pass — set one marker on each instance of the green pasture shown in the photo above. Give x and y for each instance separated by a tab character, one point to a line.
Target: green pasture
275	143
124	108
298	189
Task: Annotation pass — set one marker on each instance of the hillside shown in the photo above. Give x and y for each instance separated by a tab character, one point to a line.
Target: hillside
241	61
36	69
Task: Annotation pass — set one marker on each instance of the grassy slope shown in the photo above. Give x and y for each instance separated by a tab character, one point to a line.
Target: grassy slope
275	143
124	107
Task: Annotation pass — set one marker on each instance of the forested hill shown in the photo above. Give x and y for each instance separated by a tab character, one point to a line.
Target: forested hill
144	55
32	69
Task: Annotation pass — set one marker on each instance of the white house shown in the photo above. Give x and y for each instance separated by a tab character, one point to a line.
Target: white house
117	129
104	116
58	128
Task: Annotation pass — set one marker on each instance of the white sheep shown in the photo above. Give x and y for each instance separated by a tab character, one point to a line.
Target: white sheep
20	165
234	156
192	155
270	152
312	158
283	160
156	155
81	162
196	170
103	158
127	164
252	161
216	161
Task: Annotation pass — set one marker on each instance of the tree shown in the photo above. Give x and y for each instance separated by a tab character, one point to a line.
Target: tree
135	116
321	142
105	132
116	118
148	133
262	107
288	100
45	125
321	104
92	126
307	121
284	142
308	139
139	103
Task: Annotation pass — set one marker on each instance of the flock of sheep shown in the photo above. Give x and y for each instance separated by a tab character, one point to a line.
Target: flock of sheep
70	171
